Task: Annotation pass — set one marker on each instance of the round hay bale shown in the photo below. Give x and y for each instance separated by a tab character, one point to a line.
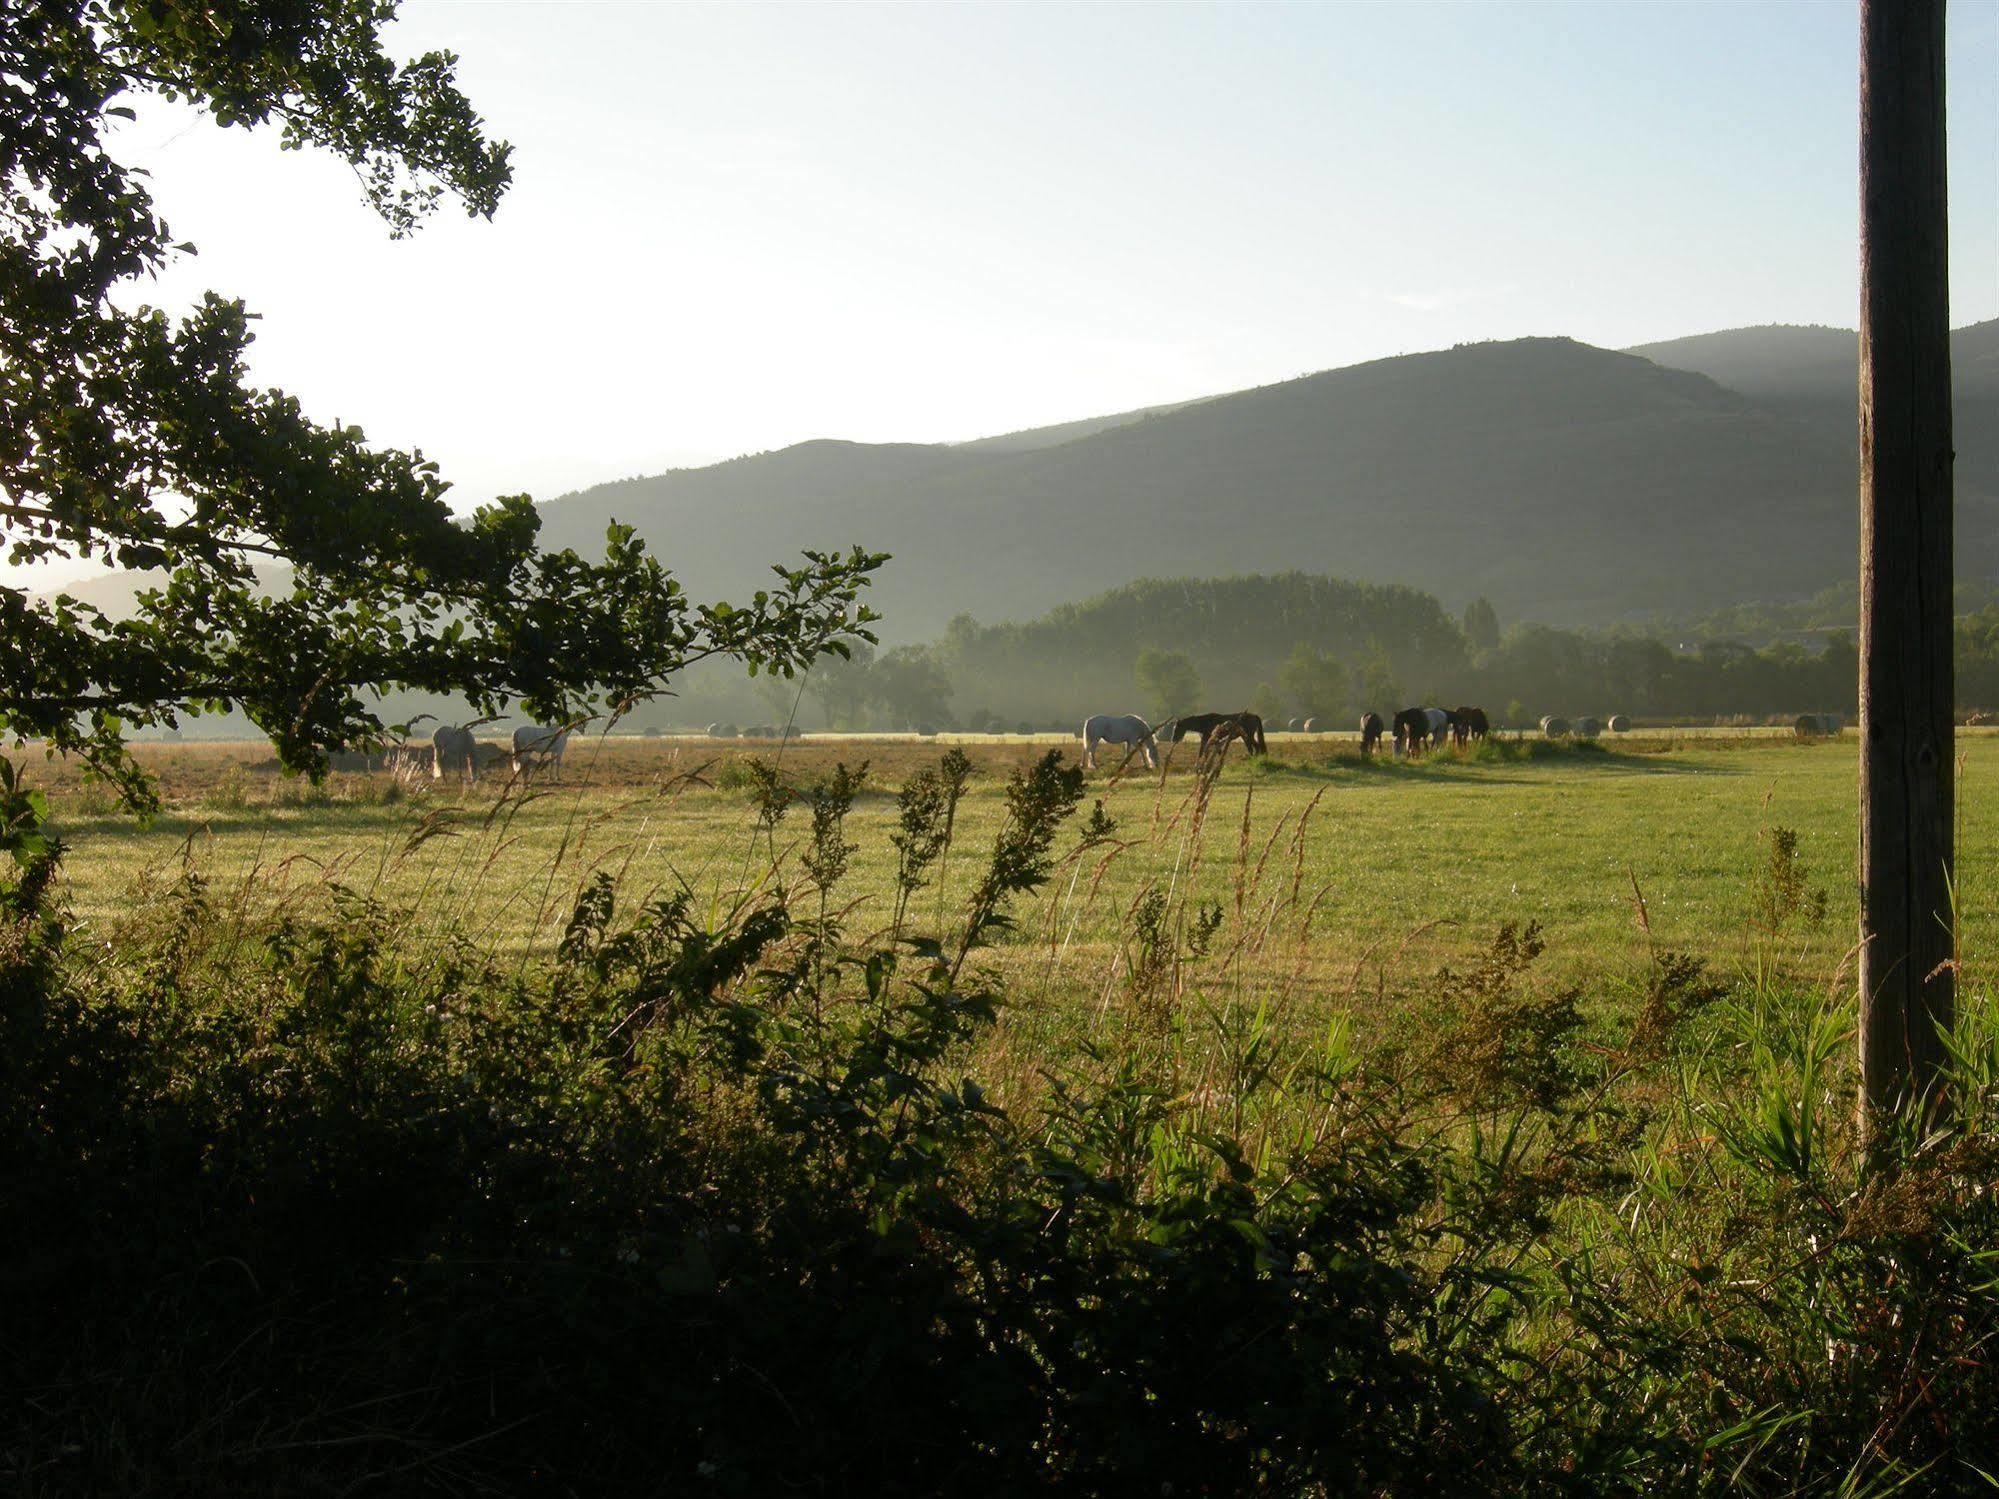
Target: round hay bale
1619	724
1553	727
1291	725
927	730
724	731
994	726
1807	726
1311	726
1586	728
1023	728
713	731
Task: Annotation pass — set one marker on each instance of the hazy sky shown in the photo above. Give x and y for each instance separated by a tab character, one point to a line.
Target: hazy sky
735	227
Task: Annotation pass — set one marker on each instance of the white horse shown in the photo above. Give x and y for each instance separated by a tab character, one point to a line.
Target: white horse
453	748
1117	728
535	742
1440	724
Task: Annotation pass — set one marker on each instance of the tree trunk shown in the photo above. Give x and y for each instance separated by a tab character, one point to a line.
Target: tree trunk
1907	977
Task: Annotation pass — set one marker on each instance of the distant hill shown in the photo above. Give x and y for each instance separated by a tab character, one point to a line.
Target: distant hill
1814	366
117	593
1813	375
1569	484
1776	364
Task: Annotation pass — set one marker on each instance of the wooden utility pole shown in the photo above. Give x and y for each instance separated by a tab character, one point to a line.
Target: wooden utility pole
1907	983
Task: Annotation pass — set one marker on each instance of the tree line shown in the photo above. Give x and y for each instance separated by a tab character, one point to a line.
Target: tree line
1297	645
1301	646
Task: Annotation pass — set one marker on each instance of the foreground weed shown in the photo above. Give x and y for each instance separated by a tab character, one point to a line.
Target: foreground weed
923	817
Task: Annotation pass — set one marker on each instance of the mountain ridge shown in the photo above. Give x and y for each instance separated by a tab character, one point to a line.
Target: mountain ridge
1566	482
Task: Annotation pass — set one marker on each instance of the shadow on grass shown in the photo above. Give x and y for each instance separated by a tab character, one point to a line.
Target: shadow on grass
313	818
1480	762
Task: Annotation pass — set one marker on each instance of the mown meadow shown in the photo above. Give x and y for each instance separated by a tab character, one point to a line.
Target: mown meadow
727	1119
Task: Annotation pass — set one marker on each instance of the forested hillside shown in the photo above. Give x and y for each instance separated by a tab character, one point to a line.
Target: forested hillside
1236	633
1569	484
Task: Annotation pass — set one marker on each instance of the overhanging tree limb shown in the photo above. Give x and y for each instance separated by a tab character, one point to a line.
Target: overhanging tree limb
136	437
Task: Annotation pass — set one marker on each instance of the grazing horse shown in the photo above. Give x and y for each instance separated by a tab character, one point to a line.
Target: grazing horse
1468	724
1203	724
1370	732
455	748
1127	729
1412	731
1246	726
1440	724
537	743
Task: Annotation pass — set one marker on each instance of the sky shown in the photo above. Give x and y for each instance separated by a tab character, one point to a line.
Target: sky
735	227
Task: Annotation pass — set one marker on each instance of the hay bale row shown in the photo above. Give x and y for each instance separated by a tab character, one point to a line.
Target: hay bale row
1585	727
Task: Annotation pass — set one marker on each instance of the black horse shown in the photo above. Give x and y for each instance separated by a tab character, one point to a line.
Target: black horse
1246	726
1371	728
1412	731
1468	724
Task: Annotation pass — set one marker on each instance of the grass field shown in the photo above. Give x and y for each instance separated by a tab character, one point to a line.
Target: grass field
1336	878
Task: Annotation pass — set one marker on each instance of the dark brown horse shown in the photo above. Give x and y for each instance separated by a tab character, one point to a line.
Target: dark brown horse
1221	727
1371	728
1468	724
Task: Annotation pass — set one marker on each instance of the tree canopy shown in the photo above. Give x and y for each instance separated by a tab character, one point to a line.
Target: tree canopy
1313	682
1169	681
132	437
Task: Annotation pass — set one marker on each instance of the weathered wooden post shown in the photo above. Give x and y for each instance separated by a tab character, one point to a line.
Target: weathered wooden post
1907	984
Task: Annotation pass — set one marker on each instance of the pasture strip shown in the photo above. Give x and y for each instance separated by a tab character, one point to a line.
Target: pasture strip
1449	849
